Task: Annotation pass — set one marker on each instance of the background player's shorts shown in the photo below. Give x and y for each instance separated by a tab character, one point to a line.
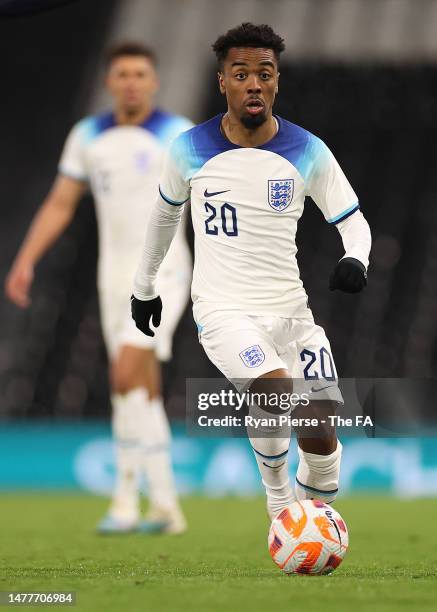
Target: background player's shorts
244	347
173	284
119	328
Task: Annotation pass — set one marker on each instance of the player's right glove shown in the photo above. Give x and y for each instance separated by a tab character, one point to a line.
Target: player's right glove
349	276
143	311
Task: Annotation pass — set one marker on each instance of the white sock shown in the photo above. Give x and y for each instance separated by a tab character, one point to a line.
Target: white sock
318	475
156	456
127	412
272	458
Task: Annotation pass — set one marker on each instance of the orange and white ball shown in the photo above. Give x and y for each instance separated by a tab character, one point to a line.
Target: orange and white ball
308	537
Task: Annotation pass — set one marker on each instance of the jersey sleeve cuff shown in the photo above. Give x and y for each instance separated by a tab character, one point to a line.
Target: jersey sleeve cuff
169	200
345	214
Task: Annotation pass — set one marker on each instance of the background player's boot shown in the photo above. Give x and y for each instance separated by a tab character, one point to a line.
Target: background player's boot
124	513
163	520
113	525
158	471
121	518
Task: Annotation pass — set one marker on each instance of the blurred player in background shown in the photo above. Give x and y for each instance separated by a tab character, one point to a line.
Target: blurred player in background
247	173
118	155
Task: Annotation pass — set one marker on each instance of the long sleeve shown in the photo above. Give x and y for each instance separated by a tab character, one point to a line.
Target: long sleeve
161	229
356	237
174	192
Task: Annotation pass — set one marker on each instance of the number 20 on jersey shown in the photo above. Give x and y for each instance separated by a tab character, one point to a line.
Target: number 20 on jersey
226	214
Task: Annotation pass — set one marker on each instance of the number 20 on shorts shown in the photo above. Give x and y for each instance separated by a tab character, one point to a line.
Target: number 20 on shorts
318	362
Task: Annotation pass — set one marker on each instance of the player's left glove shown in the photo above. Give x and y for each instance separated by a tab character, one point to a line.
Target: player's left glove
143	311
349	276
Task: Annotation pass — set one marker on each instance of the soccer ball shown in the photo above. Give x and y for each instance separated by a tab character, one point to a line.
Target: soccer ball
308	537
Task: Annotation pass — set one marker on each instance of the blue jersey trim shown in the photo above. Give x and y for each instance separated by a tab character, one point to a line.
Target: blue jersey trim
165	126
345	214
91	127
170	201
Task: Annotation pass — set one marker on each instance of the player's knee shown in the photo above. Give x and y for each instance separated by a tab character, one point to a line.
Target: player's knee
272	391
122	380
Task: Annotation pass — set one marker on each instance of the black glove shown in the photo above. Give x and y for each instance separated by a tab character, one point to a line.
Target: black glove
349	275
142	310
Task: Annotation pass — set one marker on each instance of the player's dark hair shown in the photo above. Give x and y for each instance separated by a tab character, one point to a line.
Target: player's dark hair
248	35
129	47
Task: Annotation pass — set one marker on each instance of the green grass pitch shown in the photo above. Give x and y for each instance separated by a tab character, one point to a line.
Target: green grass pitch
222	563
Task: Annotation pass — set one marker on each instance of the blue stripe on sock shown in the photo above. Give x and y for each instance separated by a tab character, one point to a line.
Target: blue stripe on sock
271	456
313	490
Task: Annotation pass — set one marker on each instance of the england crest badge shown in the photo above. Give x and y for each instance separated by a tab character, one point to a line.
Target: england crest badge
280	193
253	356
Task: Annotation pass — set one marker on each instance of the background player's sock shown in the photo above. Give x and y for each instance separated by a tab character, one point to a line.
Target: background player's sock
271	455
156	457
127	412
318	475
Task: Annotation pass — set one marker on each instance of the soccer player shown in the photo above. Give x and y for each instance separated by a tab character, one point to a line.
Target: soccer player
247	173
118	155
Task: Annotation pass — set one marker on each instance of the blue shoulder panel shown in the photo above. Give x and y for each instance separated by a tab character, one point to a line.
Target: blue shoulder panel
166	126
193	148
91	127
297	145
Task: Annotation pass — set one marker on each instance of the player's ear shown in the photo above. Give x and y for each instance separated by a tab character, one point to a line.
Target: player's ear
221	80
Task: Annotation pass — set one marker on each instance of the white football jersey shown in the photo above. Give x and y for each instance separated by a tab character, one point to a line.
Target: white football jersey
245	205
122	165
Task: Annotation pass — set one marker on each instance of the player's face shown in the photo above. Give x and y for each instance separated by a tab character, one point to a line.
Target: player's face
250	82
132	81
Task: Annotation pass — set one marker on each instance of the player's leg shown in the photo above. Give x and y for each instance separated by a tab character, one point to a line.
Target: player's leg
318	471
313	369
135	381
242	348
127	408
136	377
271	443
125	505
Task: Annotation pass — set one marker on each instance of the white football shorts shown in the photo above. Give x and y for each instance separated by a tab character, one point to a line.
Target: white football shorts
173	285
244	347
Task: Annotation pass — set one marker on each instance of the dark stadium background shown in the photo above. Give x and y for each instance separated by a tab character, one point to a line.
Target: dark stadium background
379	118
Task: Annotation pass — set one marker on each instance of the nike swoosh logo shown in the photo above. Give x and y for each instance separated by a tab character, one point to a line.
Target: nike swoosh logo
213	193
314	390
